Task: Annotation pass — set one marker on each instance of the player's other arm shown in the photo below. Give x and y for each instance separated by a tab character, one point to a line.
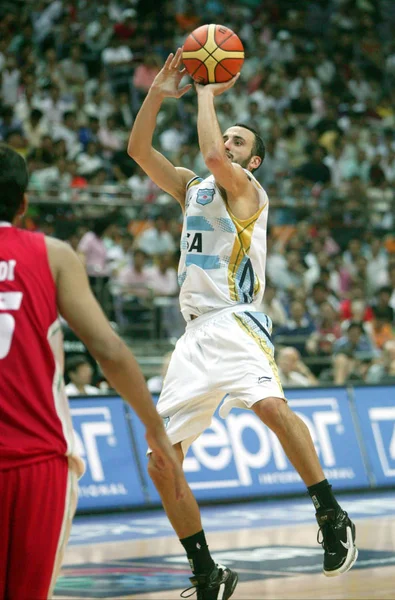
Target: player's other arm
169	178
228	175
79	307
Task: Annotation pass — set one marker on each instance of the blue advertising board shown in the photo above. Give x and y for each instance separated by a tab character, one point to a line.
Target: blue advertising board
375	407
240	456
103	440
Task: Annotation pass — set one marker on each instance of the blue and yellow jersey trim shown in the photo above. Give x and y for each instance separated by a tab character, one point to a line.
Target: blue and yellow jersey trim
194	181
242	282
251	325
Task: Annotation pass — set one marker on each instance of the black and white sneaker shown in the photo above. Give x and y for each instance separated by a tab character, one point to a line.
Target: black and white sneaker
218	585
338	541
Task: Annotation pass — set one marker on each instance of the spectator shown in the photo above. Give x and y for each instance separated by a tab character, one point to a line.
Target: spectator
73	70
293	372
383	370
10	77
117	59
382	301
94	249
142	187
292	275
297	328
79	371
382	330
163	276
68	132
328	331
144	75
357	292
134	279
110	137
35	128
156	240
315	169
282	49
54	106
272	306
348	349
118	254
90	161
8	122
320	293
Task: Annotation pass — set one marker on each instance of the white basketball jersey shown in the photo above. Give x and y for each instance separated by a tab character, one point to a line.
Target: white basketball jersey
223	258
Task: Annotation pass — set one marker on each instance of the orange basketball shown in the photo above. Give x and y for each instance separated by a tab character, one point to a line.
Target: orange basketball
213	54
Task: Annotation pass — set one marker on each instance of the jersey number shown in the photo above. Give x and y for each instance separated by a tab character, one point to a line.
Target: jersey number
8	301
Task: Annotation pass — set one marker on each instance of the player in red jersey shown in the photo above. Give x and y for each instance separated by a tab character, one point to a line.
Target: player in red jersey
39	278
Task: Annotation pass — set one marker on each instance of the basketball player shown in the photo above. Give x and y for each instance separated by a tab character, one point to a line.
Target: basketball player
39	277
226	349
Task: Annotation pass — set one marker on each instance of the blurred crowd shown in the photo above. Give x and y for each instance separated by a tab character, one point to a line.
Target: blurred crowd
318	82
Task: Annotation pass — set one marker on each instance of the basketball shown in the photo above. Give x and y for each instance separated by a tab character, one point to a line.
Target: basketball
213	54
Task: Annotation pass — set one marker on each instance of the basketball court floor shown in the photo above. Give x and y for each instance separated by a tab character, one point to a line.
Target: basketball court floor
271	544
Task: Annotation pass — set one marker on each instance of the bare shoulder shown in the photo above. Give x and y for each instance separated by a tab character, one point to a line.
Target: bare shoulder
186	174
59	254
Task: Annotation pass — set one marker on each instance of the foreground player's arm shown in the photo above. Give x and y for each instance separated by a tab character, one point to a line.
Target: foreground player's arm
169	178
79	307
230	176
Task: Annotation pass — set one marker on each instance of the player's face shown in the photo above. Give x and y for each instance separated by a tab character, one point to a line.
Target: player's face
239	143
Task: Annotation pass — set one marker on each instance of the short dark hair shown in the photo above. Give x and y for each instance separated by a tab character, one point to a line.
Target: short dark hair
258	148
355	325
320	285
74	362
13	182
385	289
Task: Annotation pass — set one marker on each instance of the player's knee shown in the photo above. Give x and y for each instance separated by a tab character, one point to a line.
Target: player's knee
271	411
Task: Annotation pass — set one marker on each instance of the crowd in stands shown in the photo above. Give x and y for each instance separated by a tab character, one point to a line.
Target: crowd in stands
318	82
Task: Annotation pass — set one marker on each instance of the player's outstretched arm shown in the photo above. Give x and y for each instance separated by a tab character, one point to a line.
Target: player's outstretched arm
169	178
79	307
228	175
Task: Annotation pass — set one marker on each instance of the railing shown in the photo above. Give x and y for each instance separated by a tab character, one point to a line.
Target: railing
107	195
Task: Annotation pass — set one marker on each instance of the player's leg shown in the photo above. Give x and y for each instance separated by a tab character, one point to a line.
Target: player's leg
294	436
338	531
262	391
43	508
184	515
187	406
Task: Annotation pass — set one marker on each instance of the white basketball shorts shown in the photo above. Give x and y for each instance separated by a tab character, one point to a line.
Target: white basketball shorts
223	355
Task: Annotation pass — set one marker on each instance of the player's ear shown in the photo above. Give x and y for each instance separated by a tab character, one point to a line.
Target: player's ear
255	162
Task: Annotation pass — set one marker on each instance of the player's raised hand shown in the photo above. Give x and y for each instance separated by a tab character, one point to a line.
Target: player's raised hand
216	88
167	81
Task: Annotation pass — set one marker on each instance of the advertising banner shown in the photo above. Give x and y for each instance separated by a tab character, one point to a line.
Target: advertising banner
103	440
375	408
240	456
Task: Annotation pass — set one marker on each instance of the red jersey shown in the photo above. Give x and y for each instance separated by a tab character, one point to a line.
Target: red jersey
35	421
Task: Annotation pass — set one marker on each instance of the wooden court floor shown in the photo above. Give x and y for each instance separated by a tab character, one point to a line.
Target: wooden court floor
282	561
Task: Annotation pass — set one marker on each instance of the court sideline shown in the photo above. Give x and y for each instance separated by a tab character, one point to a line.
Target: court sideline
272	545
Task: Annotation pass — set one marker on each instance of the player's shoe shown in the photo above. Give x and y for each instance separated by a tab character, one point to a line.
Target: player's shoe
338	541
219	584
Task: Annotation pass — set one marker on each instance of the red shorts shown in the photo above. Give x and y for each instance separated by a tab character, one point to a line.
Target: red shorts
37	504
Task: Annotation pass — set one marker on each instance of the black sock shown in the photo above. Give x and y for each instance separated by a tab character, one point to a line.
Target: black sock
198	553
322	495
